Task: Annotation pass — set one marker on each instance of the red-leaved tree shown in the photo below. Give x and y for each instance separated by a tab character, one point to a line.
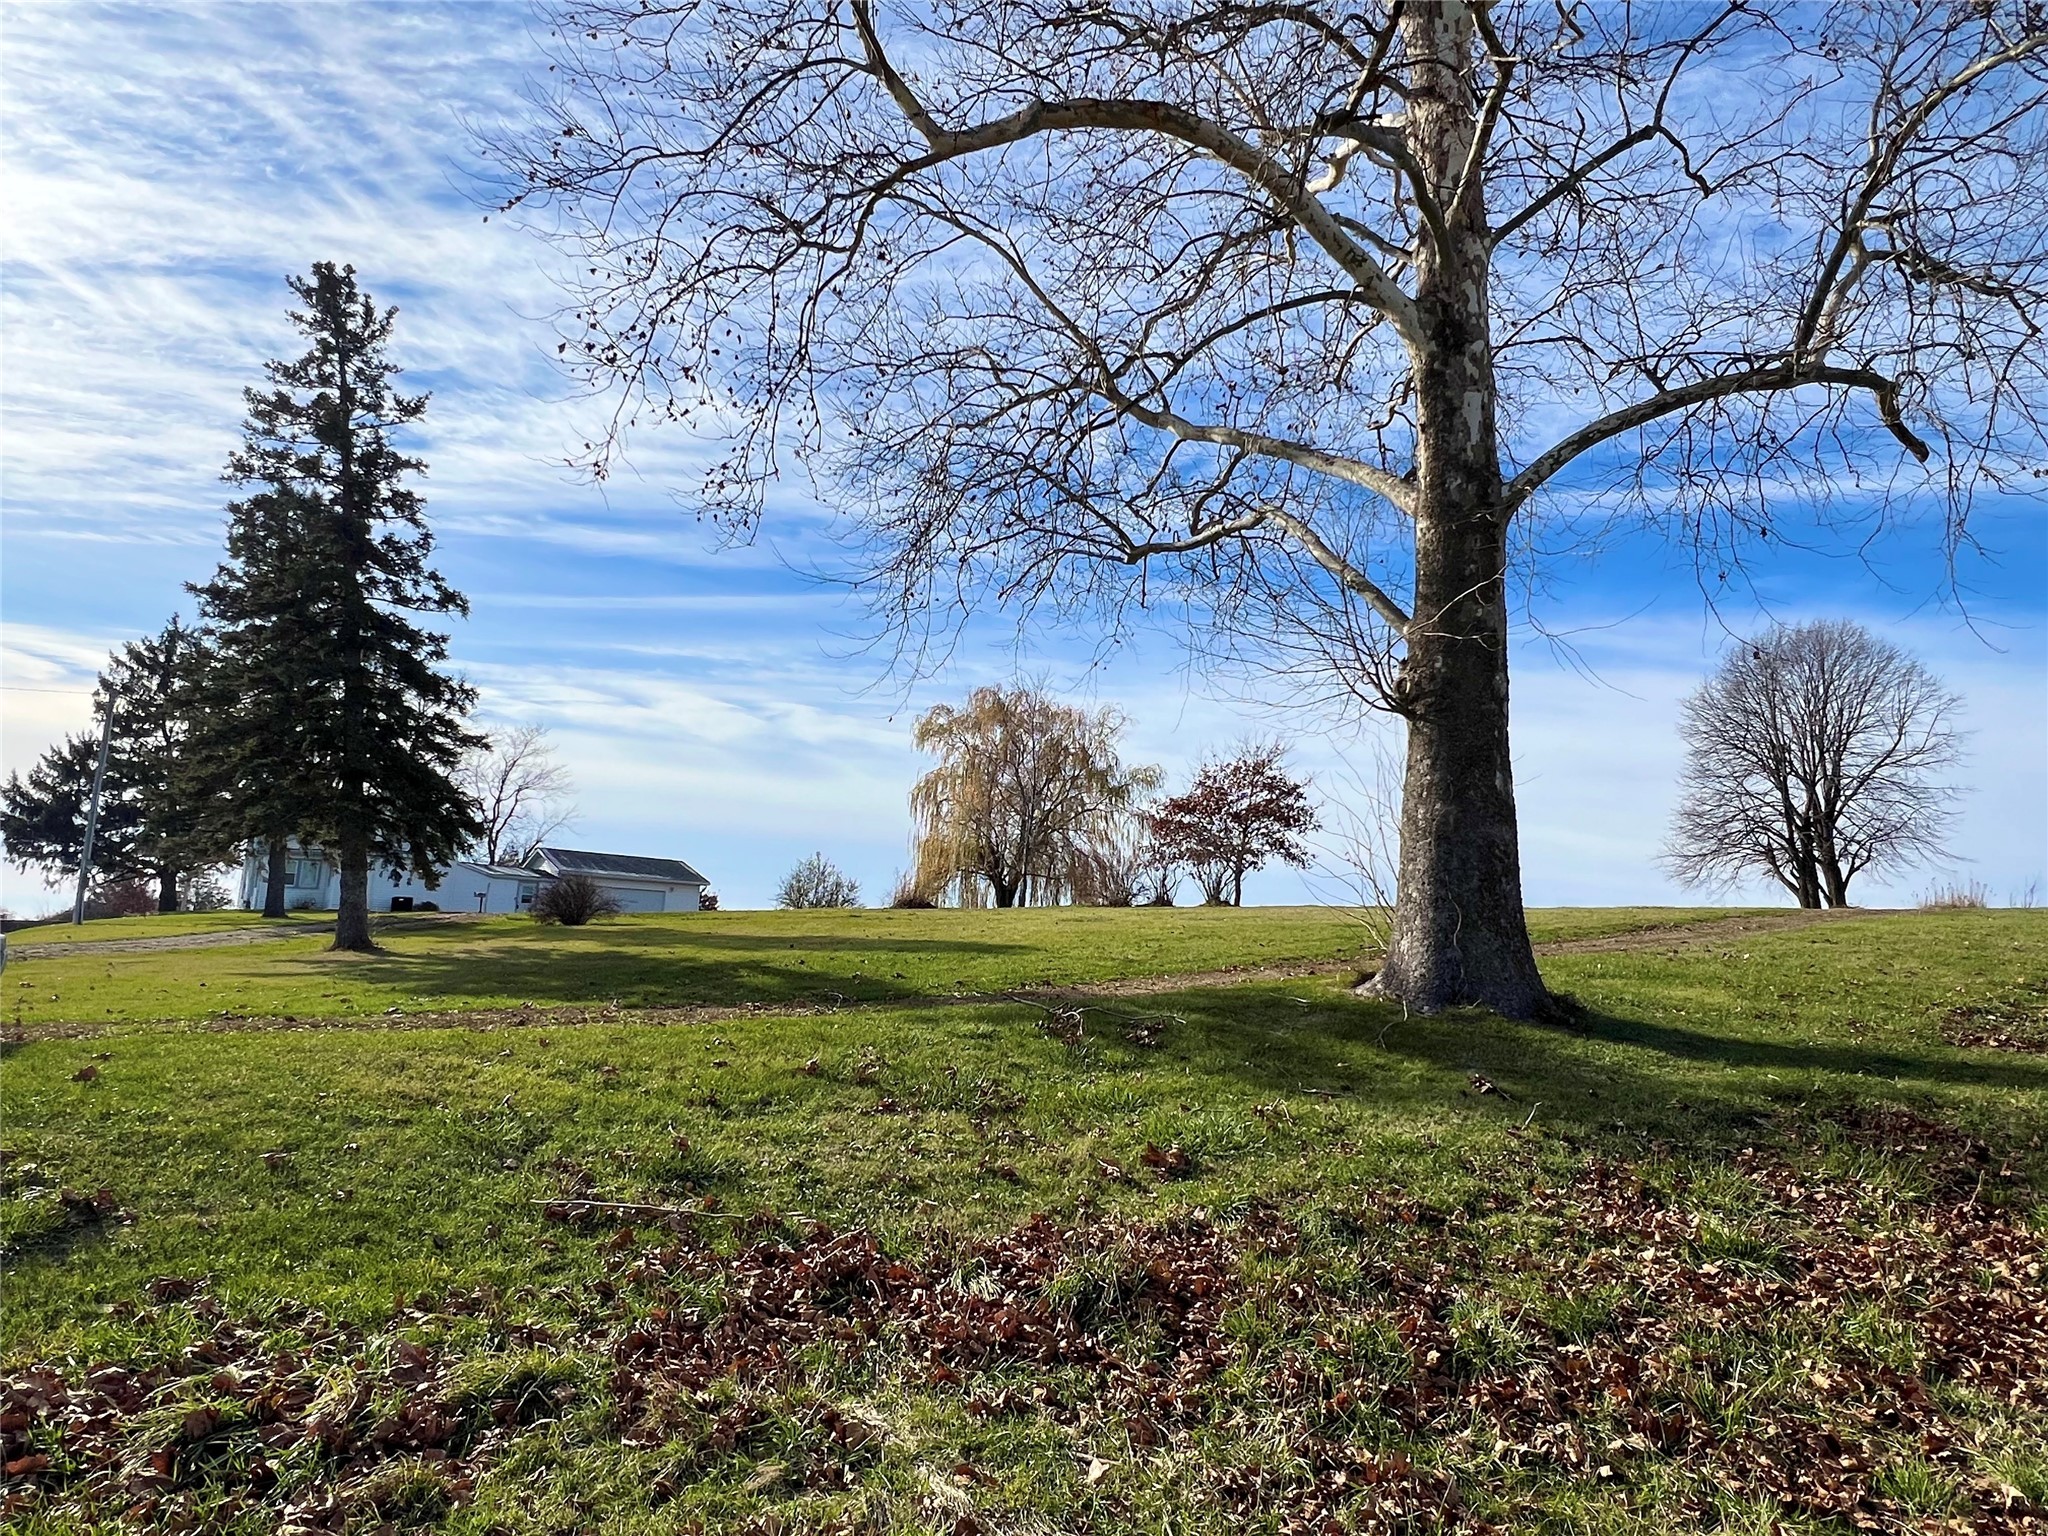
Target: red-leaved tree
1236	817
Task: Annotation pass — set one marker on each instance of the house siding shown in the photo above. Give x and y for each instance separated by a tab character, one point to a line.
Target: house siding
316	884
465	886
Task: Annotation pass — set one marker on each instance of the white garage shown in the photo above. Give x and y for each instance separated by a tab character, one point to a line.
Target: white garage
635	898
638	884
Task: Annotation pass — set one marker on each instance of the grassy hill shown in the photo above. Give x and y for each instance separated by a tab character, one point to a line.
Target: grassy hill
710	958
1748	1242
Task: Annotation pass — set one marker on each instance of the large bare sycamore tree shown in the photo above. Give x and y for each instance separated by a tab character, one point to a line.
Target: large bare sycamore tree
1289	315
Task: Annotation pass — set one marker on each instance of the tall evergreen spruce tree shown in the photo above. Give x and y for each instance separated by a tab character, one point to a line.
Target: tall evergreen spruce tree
334	719
249	753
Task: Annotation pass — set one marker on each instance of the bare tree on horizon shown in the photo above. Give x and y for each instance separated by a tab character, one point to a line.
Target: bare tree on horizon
1812	756
523	794
1302	321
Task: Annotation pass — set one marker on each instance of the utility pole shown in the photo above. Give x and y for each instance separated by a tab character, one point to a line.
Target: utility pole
92	808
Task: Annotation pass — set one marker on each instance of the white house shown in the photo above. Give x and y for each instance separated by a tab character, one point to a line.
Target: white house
313	880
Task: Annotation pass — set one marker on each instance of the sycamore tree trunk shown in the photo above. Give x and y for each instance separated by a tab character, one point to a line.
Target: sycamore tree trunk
273	879
1459	933
352	913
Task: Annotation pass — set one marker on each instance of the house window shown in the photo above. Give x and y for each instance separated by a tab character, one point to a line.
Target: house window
305	874
528	889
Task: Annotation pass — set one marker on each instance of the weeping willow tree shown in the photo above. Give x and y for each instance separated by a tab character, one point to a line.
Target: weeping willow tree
1024	789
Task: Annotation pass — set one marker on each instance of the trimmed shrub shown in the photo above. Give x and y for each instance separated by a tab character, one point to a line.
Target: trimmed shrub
572	901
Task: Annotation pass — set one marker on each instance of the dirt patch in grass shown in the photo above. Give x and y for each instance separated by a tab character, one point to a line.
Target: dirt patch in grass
1812	1343
1069	1000
482	1019
58	948
2014	1021
1715	931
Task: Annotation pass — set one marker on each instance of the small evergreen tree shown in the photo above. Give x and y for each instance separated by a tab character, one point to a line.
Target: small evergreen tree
42	815
245	766
335	720
150	827
155	682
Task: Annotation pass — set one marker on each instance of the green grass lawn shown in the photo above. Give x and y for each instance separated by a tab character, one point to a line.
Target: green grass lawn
711	957
1749	1245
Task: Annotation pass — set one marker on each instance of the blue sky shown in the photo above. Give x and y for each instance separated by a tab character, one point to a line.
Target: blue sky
167	166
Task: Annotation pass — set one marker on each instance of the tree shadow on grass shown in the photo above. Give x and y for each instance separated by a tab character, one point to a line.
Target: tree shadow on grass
650	970
1605	1074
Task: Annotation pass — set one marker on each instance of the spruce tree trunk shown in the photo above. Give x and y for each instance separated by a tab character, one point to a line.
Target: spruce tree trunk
273	880
167	890
1459	933
352	914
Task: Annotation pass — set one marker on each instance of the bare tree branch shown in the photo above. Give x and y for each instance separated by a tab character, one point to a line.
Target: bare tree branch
1044	118
1755	381
522	794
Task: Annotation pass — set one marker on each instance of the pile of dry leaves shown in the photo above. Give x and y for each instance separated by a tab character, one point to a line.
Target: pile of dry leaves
2015	1022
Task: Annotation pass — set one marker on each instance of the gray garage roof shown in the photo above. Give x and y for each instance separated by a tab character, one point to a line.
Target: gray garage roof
576	861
